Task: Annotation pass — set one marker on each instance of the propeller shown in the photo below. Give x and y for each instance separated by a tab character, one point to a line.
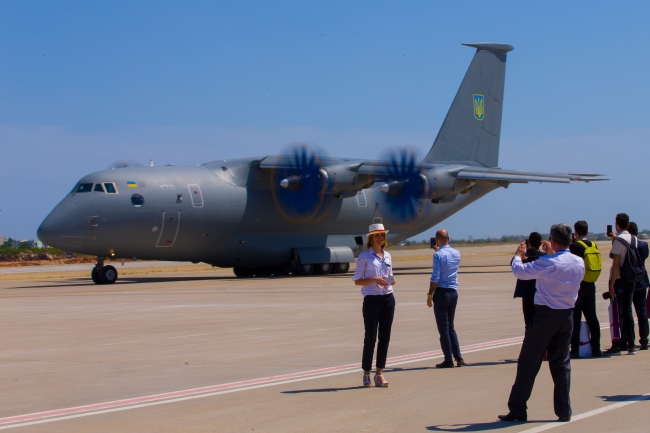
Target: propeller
405	187
298	184
123	164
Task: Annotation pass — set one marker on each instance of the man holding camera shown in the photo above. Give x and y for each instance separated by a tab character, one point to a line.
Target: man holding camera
558	276
586	302
620	288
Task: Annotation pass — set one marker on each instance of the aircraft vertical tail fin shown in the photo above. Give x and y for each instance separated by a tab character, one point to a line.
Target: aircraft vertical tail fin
472	128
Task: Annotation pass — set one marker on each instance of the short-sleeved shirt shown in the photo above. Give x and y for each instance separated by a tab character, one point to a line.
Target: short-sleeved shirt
586	289
446	262
619	248
371	265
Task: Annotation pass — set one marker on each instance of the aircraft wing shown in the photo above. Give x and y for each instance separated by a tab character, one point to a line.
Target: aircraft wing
519	176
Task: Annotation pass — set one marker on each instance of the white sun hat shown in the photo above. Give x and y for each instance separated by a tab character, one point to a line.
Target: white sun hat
376	228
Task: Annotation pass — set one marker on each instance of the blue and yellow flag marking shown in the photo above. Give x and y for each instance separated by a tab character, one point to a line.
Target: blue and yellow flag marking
479	107
131	184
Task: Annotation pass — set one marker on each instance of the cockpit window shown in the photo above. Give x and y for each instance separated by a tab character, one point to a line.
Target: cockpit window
110	187
99	188
84	187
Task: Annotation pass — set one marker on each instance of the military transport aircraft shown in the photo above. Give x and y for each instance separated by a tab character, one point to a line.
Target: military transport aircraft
297	211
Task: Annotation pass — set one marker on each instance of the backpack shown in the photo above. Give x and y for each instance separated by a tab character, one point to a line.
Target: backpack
631	269
593	262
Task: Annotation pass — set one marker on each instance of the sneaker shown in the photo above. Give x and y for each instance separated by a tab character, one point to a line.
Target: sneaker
644	347
613	351
631	351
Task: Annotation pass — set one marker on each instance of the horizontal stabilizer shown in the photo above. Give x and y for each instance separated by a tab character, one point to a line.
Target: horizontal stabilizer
491	46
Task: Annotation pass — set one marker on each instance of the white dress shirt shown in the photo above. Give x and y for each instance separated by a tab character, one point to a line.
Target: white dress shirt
558	278
371	265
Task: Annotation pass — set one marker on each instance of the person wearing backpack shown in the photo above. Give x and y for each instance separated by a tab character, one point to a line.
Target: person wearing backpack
622	279
640	291
586	302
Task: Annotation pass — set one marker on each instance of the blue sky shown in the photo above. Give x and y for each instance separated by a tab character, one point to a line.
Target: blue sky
87	83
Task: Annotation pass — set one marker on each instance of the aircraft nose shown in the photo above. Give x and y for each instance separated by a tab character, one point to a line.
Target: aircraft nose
63	228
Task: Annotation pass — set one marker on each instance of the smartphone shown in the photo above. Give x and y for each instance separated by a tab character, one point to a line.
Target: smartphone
527	243
389	279
609	228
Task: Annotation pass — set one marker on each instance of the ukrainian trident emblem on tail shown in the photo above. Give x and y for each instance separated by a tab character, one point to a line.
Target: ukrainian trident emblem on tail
479	107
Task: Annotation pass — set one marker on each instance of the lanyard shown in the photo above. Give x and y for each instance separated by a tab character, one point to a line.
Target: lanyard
383	261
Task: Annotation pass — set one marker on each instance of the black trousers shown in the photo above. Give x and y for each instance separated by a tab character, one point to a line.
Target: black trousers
639	301
624	295
378	312
550	331
528	306
444	310
586	304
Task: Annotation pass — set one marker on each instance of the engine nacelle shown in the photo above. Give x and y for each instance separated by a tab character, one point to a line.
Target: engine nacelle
342	180
443	186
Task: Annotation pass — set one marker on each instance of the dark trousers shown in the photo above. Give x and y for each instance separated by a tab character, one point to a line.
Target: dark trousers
528	305
586	304
378	312
550	331
639	301
624	295
444	309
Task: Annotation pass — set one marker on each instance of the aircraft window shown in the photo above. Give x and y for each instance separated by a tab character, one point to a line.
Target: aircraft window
99	188
84	187
110	187
137	200
195	195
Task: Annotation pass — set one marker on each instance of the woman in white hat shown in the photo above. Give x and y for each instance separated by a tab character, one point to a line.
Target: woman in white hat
374	273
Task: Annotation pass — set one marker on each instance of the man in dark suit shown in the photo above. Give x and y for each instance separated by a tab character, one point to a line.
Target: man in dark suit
640	291
586	302
525	289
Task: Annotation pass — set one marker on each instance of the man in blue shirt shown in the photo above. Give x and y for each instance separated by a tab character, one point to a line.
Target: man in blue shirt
443	296
558	276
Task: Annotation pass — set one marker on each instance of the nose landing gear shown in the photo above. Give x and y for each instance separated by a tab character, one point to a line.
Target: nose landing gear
103	274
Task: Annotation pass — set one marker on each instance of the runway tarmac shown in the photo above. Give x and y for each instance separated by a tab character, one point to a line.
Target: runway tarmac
205	352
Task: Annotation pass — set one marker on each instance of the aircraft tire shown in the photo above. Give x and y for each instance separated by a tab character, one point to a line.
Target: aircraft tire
95	276
238	271
282	271
323	268
108	274
341	268
306	269
248	272
263	271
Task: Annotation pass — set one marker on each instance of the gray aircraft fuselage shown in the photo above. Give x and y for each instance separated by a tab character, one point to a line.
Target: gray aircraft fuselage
218	218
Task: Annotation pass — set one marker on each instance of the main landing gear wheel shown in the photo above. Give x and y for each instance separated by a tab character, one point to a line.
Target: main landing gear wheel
323	268
341	268
305	269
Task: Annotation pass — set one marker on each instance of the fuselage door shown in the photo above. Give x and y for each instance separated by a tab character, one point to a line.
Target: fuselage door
195	194
171	221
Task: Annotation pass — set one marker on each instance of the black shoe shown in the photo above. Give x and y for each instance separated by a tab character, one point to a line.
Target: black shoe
513	418
564	418
631	350
460	362
445	364
575	355
644	347
596	353
613	351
